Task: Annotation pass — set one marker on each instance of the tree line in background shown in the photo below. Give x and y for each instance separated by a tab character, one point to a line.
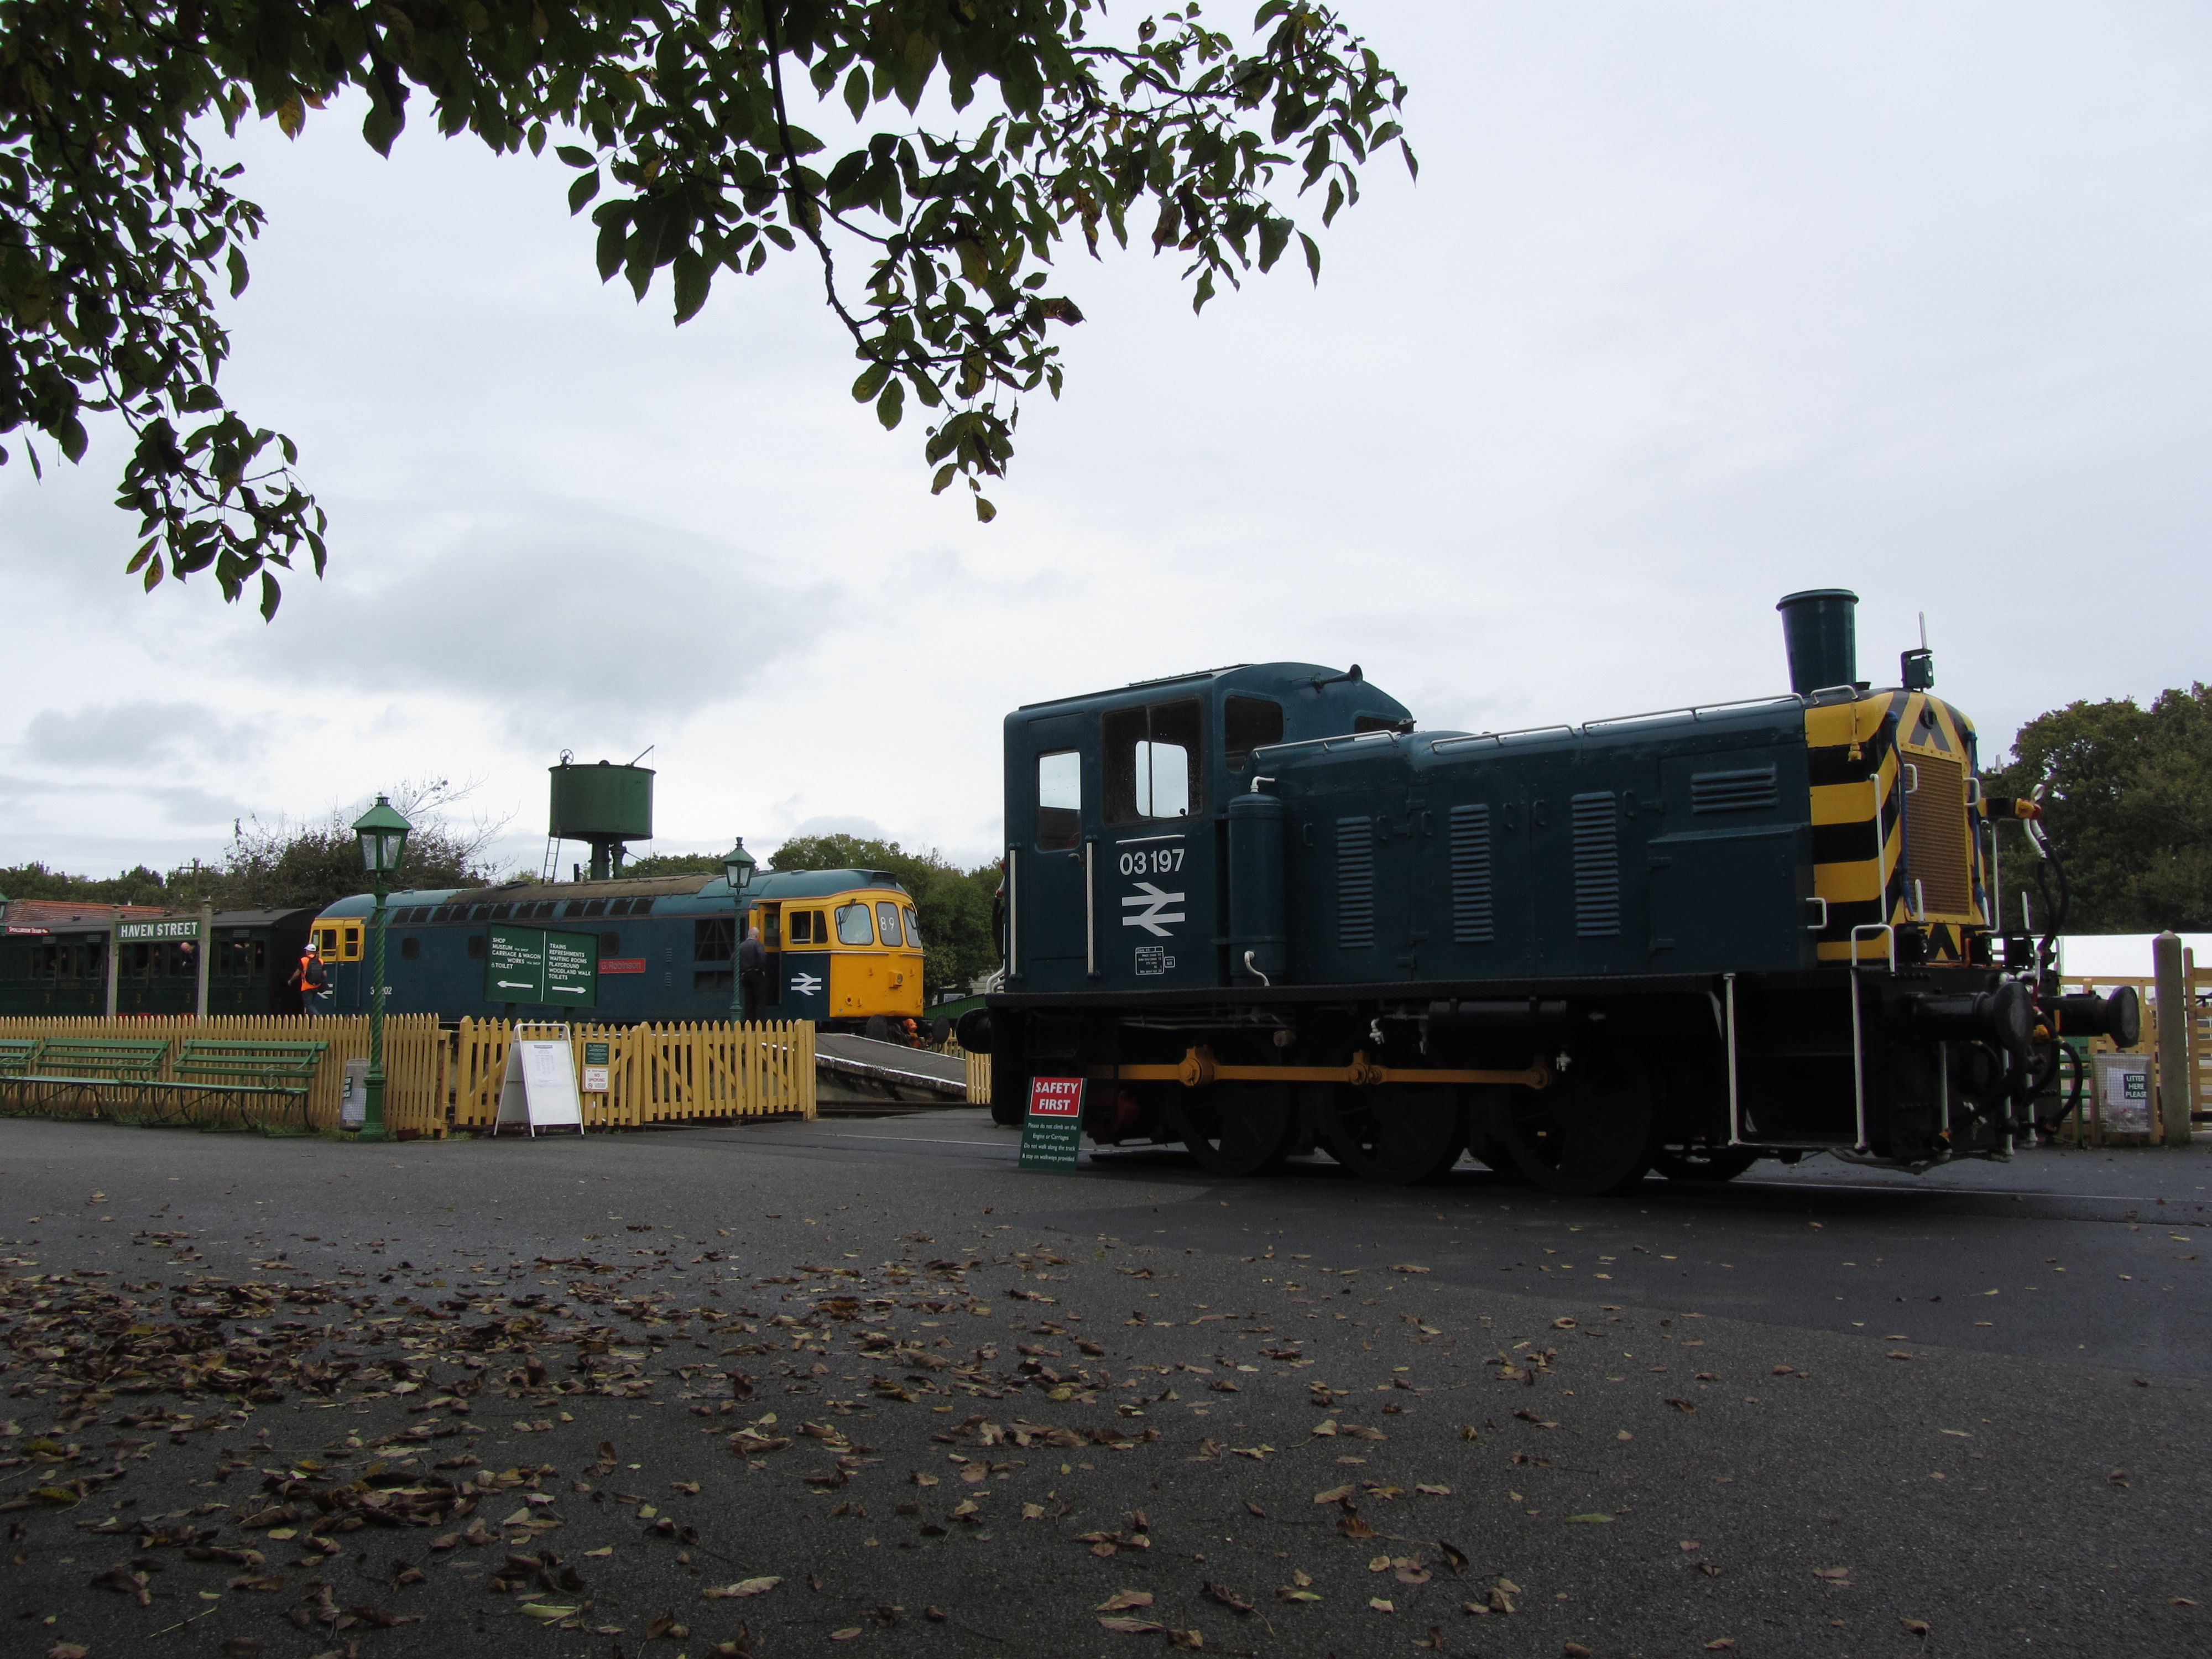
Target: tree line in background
2127	802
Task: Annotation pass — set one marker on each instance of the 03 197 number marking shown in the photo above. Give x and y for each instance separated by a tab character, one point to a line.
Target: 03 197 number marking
1152	862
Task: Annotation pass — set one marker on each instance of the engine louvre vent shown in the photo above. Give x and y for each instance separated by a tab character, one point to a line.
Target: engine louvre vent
1746	791
1473	917
1355	883
1936	835
1596	827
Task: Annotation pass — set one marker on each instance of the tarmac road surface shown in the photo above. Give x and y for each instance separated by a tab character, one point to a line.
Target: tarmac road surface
887	1392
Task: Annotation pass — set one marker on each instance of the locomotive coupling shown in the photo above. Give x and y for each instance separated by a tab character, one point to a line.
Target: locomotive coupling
2004	1018
2085	1014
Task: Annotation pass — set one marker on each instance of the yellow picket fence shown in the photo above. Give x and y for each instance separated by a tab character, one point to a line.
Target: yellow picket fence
683	1074
441	1081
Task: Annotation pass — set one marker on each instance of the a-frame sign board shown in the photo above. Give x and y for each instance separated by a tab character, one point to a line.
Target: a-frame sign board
539	1089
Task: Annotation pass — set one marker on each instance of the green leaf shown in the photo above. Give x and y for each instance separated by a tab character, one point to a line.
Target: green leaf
236	262
856	92
271	595
782	237
891	405
1274	236
984	511
576	157
944	476
1313	256
871	381
694	275
585	186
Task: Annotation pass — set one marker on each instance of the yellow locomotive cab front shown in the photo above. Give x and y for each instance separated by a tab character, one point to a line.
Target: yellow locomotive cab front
875	961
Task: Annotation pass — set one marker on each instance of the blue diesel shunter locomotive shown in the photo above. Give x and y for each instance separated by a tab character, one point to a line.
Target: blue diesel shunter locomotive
1257	912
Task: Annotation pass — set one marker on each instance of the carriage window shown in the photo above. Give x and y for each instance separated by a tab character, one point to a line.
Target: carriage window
1151	762
887	923
852	925
1249	723
1059	800
913	932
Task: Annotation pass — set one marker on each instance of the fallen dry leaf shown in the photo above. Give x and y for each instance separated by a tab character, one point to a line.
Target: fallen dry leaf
1720	1644
1381	1604
1917	1626
743	1587
846	1634
1132	1626
1122	1601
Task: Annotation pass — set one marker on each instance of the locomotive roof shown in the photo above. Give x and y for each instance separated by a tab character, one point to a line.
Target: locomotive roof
1281	677
712	893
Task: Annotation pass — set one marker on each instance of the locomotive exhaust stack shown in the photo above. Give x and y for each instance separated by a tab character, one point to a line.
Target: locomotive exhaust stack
1819	631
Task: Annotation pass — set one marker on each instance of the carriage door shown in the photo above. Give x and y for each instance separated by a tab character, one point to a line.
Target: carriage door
1049	853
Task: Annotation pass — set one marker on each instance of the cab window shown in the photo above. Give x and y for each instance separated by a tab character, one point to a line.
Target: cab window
1152	762
887	923
802	927
1059	800
1248	723
913	932
852	925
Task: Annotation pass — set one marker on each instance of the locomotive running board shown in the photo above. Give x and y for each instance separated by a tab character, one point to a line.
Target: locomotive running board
1198	1067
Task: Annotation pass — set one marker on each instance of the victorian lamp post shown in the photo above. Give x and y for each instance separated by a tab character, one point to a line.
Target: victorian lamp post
739	865
383	835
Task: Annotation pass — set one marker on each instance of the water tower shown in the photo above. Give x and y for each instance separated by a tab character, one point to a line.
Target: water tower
604	805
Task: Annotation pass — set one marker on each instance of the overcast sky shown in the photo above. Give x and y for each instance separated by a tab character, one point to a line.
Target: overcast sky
1693	304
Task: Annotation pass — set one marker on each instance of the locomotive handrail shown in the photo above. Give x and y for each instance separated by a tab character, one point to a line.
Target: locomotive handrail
1309	742
1695	711
1198	1067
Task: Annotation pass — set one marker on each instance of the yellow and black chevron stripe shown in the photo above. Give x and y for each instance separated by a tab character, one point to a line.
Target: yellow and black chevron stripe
1895	816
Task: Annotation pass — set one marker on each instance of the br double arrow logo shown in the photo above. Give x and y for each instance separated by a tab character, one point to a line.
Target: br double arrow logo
1155	911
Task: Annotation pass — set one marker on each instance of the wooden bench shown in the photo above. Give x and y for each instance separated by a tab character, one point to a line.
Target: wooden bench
19	1056
87	1076
213	1084
256	1078
112	1059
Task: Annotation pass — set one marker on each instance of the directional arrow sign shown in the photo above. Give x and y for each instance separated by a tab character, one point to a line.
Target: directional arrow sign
514	965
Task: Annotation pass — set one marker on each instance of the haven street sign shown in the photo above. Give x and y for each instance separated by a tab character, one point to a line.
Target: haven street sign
530	964
181	927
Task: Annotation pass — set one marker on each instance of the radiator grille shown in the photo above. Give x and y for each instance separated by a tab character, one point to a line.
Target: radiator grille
1936	835
1472	914
1596	831
1744	791
1355	883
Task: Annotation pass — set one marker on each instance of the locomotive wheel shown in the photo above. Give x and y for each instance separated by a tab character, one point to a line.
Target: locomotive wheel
1595	1131
1239	1129
1007	1113
1399	1136
1711	1164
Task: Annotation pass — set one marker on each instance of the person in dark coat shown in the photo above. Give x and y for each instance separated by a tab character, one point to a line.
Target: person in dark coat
752	970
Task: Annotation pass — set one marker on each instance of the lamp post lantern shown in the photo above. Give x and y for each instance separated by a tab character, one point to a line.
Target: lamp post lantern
738	865
383	835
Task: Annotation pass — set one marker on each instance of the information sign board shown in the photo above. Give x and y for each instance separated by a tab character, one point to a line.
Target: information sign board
530	964
595	1068
539	1089
177	927
1052	1133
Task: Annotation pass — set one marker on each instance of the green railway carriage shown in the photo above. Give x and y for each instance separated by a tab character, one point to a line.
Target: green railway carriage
53	961
1257	912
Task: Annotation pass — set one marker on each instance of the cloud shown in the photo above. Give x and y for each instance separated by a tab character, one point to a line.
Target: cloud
137	734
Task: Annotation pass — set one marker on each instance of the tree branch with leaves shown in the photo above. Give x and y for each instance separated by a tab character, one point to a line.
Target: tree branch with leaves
936	248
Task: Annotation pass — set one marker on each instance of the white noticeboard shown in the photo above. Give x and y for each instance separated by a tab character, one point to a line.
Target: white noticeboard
540	1090
353	1101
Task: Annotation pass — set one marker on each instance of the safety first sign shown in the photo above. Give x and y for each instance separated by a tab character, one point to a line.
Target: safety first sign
1052	1134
